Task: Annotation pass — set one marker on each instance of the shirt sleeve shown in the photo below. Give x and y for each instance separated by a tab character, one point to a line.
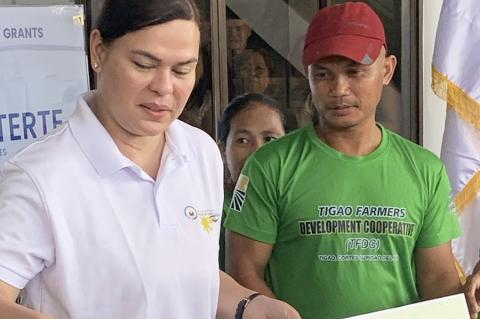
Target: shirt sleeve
26	243
253	211
441	223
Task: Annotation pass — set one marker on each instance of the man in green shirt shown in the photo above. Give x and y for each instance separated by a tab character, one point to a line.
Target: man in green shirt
344	217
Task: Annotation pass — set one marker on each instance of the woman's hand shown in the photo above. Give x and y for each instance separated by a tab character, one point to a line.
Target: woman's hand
264	307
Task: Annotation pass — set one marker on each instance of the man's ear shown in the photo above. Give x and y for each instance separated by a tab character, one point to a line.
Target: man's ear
98	50
389	65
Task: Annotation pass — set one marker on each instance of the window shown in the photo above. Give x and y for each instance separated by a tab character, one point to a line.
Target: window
256	46
264	50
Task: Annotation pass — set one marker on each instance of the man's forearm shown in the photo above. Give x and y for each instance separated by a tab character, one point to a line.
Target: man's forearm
246	260
441	286
437	275
255	283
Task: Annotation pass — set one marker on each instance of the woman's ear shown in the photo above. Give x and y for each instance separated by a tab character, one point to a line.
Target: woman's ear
97	50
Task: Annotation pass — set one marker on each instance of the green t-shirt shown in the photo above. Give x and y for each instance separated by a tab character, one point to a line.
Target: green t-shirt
343	228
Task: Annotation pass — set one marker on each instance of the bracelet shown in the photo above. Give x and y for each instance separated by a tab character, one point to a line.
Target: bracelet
242	305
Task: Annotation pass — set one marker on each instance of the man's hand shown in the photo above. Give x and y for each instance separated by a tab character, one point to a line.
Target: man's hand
264	307
472	292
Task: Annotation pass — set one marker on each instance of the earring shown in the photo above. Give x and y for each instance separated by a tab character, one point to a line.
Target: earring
95	66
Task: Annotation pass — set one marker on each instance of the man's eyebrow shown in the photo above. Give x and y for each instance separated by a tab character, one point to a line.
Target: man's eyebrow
355	64
319	67
158	60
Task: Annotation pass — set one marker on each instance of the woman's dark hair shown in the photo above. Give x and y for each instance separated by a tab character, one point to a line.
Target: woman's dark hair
119	17
240	103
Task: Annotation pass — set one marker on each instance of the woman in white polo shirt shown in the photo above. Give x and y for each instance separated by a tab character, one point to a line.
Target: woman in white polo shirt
116	213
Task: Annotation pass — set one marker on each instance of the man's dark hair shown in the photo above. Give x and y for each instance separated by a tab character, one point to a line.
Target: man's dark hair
240	103
119	17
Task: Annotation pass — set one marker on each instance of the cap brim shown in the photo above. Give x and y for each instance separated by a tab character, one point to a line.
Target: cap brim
360	49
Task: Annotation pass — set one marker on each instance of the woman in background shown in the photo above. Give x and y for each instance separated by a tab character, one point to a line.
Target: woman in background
248	122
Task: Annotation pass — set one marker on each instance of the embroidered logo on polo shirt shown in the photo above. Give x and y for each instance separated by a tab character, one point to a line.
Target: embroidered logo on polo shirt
207	218
191	212
240	192
207	222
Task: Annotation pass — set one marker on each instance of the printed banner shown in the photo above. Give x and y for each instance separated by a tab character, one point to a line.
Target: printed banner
43	70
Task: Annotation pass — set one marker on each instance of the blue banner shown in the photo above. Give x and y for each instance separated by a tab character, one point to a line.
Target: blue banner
43	70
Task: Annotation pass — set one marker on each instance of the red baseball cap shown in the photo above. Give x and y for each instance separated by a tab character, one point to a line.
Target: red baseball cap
352	30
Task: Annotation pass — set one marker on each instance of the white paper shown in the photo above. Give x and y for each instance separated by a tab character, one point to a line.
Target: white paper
451	307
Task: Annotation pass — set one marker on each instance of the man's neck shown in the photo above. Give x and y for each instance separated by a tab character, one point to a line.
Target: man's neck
357	141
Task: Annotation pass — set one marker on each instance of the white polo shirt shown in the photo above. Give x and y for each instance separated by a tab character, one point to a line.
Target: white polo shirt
87	234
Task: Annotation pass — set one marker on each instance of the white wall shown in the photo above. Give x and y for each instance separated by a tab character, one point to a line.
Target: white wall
434	108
